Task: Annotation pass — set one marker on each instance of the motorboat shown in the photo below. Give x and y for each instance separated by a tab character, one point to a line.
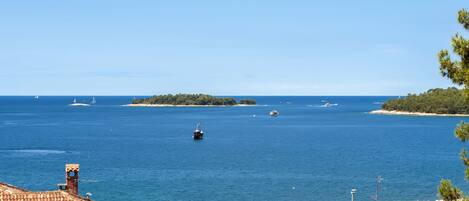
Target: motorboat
329	104
198	133
274	113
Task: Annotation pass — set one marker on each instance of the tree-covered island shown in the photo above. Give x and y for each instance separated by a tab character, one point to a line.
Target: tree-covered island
247	102
436	101
189	100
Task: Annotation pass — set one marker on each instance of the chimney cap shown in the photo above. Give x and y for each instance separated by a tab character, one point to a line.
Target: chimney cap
72	167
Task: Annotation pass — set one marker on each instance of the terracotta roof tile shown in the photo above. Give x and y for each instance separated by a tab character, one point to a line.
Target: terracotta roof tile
13	193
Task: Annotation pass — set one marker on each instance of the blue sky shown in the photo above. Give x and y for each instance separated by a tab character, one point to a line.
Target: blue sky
362	47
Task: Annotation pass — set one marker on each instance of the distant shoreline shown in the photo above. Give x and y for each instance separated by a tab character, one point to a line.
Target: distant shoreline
170	105
395	112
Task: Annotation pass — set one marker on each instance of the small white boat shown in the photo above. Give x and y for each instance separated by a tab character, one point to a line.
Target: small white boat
329	104
36	97
274	113
93	101
75	103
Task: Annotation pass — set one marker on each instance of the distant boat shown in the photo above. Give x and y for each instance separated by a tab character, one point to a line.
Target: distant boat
274	113
36	97
93	101
329	104
198	133
75	103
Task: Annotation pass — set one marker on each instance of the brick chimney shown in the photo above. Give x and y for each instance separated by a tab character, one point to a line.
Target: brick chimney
71	174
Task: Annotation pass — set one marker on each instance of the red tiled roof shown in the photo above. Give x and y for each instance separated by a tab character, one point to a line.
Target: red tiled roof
13	193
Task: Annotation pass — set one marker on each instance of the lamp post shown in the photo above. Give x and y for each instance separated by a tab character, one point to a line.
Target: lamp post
379	179
353	192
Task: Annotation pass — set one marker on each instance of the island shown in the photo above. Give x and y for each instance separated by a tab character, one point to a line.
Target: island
247	102
188	100
434	102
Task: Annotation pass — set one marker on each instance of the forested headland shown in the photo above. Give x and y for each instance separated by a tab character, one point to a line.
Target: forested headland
439	101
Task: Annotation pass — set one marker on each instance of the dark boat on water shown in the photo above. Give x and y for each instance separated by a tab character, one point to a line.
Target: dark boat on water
198	133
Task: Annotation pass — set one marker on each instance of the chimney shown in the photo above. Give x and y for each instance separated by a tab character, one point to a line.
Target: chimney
71	174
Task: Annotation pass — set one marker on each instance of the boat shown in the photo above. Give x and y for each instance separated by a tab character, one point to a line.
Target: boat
93	101
198	133
75	103
327	104
274	113
36	97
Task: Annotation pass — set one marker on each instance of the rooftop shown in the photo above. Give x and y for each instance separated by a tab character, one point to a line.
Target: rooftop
12	193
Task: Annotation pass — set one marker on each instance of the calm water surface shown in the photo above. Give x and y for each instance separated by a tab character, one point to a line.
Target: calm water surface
307	153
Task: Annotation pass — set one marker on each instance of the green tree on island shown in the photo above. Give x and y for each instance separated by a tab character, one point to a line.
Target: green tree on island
458	72
247	102
190	99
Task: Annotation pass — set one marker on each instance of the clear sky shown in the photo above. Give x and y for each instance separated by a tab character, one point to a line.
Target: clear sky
91	47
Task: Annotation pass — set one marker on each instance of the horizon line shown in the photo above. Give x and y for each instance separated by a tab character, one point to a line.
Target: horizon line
1	95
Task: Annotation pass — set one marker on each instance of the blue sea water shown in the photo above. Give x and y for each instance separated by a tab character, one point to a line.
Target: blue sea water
309	152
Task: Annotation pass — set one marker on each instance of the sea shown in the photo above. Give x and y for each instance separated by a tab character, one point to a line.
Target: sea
309	152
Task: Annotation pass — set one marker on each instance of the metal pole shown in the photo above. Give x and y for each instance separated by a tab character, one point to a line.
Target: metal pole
353	192
379	179
377	186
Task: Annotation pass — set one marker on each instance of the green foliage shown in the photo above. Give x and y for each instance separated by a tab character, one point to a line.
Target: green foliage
463	18
458	72
462	132
448	192
440	101
247	102
463	156
186	99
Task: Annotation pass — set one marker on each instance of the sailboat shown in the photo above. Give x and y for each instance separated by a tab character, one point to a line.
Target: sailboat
93	101
75	103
